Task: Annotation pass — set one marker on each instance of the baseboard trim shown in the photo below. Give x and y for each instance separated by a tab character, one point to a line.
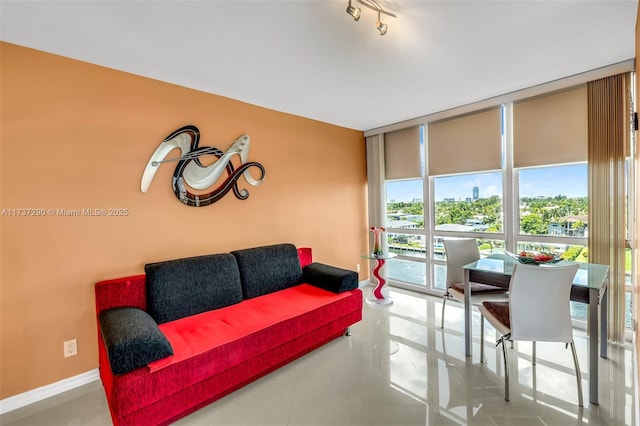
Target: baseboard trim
363	283
18	401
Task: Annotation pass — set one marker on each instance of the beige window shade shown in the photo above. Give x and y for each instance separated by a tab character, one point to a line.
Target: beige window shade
470	143
551	129
403	154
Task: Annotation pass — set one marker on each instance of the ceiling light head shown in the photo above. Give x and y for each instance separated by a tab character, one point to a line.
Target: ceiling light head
353	11
375	6
381	26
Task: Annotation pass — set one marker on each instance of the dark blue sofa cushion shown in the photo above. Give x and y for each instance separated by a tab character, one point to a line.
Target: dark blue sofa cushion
268	269
132	339
183	287
330	277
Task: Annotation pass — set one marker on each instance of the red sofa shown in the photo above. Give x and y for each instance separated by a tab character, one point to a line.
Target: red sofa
190	331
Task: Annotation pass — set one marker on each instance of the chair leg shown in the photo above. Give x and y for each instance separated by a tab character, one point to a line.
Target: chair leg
481	338
444	302
578	375
506	369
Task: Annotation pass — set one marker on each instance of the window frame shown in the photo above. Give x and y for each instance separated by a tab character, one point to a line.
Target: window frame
511	217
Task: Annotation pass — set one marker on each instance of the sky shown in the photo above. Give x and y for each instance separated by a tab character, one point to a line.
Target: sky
570	180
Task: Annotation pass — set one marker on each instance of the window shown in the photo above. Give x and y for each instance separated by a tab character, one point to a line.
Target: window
553	201
512	176
405	231
407	271
405	208
553	207
468	203
412	245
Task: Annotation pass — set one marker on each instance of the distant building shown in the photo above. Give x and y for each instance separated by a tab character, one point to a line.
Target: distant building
576	225
476	224
404	217
402	224
572	225
468	199
476	193
556	229
449	200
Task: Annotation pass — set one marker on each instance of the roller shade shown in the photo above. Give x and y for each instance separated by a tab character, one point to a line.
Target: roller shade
403	157
470	143
551	129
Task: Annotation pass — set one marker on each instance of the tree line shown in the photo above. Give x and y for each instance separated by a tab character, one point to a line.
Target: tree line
536	213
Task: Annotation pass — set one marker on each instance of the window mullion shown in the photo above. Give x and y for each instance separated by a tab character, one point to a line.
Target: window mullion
510	195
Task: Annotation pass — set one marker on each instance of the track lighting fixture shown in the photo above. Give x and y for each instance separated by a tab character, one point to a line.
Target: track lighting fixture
381	26
353	11
373	5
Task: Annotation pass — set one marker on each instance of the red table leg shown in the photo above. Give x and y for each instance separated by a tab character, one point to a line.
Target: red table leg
378	298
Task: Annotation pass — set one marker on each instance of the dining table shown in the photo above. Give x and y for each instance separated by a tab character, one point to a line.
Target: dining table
589	286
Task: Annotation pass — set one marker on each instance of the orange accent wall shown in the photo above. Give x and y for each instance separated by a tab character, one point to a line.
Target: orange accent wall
77	136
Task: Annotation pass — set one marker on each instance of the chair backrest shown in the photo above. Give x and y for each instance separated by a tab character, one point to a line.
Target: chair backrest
539	302
459	253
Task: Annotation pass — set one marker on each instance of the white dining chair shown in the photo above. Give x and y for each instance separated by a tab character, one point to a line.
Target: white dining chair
459	253
537	311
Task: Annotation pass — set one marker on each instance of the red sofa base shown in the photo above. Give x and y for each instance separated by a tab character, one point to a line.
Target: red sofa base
188	400
270	334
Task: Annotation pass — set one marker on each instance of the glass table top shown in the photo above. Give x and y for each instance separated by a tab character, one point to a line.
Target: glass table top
590	275
379	256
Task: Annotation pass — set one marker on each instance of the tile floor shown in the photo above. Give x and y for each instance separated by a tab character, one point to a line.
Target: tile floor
398	368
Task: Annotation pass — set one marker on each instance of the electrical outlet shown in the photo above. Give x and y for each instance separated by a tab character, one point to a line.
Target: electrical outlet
70	348
358	267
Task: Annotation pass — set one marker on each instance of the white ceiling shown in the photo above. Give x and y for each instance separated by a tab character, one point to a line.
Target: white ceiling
309	58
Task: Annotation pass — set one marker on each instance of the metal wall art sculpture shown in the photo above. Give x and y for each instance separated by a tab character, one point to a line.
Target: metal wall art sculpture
195	174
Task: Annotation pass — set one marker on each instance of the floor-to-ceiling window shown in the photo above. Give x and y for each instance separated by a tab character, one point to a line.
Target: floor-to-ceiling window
468	205
405	231
513	176
552	214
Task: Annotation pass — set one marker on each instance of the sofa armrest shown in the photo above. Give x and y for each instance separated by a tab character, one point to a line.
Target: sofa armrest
132	339
305	255
127	291
330	278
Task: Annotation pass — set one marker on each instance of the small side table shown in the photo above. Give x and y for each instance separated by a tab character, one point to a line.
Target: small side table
377	296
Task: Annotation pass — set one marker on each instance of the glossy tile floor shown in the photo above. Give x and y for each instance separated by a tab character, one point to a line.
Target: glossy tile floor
398	368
